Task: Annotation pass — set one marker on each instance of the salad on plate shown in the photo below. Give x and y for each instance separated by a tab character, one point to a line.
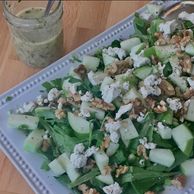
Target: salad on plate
122	120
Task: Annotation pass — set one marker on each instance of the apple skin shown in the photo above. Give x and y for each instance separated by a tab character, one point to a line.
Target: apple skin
163	157
188	149
183	138
187	167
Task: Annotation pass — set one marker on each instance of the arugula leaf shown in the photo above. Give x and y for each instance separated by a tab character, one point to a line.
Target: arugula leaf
63	129
154	26
118	157
46	113
56	83
116	43
48	86
72	79
97	184
144	185
87	86
147	125
141	25
167	69
188	25
90	133
93	173
157	167
166	117
64	142
98	137
162	142
137	174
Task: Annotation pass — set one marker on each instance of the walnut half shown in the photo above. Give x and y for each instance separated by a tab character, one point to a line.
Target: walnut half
121	170
179	182
119	67
167	88
141	151
186	64
81	71
86	190
98	103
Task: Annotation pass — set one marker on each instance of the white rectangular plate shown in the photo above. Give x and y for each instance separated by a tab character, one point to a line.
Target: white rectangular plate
11	140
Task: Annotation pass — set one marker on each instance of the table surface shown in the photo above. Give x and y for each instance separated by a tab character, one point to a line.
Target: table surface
82	21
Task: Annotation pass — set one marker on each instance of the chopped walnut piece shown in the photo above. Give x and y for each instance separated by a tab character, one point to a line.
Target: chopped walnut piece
161	39
86	190
160	108
121	170
107	170
176	39
188	33
161	42
138	107
186	38
180	54
155	60
81	71
105	143
163	103
149	192
167	88
74	99
141	151
98	103
83	188
158	34
61	100
59	113
150	102
179	182
180	114
182	39
186	64
45	145
118	67
91	191
188	94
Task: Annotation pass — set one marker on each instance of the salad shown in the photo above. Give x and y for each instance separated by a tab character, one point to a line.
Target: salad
122	120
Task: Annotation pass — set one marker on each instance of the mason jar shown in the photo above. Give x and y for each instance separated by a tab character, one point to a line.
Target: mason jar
38	38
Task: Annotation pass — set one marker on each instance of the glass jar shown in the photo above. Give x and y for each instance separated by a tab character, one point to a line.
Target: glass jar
38	38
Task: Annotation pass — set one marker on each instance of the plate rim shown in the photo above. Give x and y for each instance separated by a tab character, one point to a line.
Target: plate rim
16	92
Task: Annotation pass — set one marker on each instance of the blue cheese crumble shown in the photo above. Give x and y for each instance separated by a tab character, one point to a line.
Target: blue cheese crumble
112	189
174	104
151	86
168	27
79	157
115	52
